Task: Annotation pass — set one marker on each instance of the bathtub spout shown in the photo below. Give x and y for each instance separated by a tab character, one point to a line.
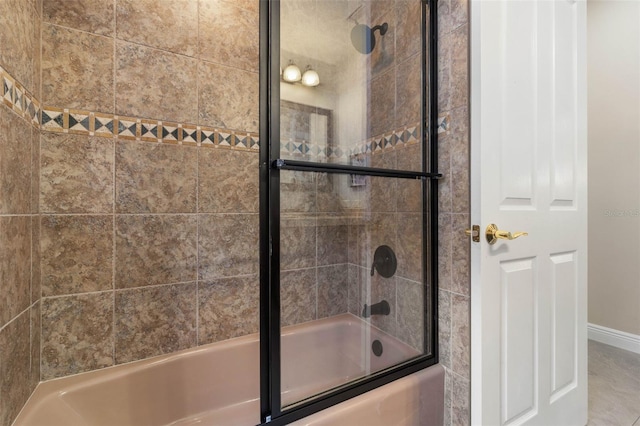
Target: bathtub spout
380	308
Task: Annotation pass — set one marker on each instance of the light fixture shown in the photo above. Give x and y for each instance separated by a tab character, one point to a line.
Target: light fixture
310	77
291	73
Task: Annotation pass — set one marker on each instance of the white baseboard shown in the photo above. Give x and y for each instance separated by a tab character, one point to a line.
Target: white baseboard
617	338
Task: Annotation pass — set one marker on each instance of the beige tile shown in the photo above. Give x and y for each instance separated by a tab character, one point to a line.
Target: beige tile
94	16
381	102
297	242
15	375
18	24
333	241
228	307
447	397
77	69
297	192
377	8
383	191
355	288
229	33
298	296
460	395
460	336
411	311
444	328
36	287
383	55
409	250
227	181
77	254
77	334
445	237
155	84
249	5
36	327
15	163
76	174
155	249
228	97
155	178
163	24
35	171
614	385
36	69
444	65
460	262
355	249
409	89
410	190
445	203
332	290
228	245
460	160
15	266
444	18
408	27
453	85
154	321
327	192
459	13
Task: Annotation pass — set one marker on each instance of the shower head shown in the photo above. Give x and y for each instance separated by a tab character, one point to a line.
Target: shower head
363	38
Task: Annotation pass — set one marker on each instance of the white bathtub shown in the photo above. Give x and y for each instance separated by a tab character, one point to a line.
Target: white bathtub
218	384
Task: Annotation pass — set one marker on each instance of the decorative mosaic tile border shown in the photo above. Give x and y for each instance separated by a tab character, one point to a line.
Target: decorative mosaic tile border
142	129
396	139
90	123
17	98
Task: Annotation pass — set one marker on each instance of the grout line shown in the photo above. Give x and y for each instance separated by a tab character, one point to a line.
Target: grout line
122	290
197	301
28	308
115	62
114	236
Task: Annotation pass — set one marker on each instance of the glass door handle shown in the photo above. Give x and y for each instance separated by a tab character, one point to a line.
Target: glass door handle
494	234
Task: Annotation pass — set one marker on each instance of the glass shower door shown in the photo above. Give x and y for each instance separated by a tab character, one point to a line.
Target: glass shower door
352	200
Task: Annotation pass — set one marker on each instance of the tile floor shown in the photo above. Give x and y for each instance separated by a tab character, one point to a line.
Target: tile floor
614	386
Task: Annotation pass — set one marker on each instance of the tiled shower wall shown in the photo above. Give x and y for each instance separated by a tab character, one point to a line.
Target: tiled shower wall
152	247
454	256
19	225
148	247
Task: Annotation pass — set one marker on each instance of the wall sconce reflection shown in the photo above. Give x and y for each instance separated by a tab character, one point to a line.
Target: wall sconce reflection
292	74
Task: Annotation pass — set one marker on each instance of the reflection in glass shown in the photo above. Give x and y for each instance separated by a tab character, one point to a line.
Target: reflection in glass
365	111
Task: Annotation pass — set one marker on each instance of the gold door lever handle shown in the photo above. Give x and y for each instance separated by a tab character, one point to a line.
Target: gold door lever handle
493	234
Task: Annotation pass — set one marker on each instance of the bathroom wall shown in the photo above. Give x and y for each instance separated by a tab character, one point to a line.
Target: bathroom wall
148	190
453	159
614	160
19	225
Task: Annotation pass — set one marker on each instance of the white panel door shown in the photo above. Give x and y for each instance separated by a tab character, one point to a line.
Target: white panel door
528	168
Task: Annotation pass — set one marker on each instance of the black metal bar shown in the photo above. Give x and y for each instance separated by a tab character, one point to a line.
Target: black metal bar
431	37
265	231
274	151
309	166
